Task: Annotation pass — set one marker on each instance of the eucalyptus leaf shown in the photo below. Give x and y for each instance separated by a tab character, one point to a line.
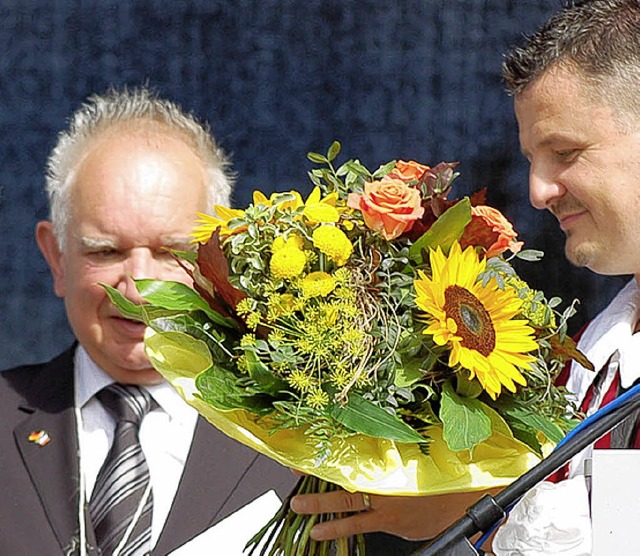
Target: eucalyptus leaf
364	417
465	424
444	231
531	255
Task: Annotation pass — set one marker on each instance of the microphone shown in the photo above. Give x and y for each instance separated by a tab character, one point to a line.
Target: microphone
490	510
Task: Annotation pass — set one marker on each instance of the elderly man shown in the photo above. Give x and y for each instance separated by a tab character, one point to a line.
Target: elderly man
100	455
124	181
576	85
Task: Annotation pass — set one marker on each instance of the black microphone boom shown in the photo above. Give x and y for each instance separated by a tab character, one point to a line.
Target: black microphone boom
489	510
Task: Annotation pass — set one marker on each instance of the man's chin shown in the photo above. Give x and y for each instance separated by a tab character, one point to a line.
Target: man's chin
582	255
133	367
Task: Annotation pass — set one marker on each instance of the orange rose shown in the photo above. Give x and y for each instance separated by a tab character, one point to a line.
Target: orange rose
490	229
388	206
407	171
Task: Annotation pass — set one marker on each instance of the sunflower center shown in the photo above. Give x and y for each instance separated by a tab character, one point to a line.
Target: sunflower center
474	322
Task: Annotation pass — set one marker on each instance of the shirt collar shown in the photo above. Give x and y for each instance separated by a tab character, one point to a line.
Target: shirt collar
610	331
90	379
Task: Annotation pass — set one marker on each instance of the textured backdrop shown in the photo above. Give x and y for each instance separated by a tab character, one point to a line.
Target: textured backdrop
275	79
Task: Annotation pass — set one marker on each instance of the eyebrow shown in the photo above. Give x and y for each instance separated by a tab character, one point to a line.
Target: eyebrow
87	242
91	243
176	241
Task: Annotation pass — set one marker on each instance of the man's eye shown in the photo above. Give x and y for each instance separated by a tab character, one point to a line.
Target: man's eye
104	253
567	154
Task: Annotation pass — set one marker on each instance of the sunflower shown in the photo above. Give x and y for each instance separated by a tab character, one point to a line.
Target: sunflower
476	321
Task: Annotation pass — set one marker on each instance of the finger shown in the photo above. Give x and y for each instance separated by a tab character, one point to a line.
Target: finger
338	501
355	524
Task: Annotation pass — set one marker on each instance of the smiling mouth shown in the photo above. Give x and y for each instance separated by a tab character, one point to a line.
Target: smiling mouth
567	220
130	327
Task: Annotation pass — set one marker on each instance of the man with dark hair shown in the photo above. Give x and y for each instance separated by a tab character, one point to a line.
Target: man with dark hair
576	86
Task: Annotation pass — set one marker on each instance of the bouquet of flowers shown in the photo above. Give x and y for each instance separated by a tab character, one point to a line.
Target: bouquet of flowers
374	336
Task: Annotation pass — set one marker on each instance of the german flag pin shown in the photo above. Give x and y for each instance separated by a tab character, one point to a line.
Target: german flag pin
41	438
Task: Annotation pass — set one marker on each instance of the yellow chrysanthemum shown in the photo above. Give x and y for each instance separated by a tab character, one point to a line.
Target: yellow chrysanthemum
475	322
206	224
293	241
317	284
287	262
333	242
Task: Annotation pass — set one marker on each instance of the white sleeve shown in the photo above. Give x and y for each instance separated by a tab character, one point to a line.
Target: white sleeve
552	518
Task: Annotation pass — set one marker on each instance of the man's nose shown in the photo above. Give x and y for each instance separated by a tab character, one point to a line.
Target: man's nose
544	188
140	264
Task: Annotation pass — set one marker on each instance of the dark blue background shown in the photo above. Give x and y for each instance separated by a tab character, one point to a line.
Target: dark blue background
275	78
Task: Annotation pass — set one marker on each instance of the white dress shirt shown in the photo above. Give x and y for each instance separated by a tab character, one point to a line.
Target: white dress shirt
165	436
555	518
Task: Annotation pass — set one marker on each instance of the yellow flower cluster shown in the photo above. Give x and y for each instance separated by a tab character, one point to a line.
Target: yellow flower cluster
334	243
288	259
317	284
536	311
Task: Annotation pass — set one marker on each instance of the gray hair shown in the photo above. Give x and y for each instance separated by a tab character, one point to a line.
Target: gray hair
100	113
599	39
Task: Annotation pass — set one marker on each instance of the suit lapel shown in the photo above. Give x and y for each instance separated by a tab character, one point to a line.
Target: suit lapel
215	467
53	466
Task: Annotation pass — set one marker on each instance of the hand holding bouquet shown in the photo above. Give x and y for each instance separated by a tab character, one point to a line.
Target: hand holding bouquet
374	335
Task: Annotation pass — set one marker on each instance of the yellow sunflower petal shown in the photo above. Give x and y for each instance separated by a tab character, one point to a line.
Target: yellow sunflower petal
478	322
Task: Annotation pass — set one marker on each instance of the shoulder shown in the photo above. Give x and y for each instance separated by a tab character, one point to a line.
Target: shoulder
43	384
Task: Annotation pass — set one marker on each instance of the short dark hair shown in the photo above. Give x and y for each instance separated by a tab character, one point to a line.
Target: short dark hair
598	39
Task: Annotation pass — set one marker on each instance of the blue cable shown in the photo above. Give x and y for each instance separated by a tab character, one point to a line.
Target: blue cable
611	406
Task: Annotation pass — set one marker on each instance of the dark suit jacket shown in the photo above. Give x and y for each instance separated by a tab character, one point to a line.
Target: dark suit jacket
39	484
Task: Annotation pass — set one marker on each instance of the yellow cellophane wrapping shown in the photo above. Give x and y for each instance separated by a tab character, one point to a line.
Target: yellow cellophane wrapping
360	463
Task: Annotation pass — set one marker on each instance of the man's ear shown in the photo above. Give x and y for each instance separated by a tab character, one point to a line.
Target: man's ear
51	252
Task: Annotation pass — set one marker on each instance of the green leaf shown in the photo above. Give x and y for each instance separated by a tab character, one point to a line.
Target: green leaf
384	170
467	388
527	436
190	256
464	422
408	374
317	158
128	308
219	388
334	150
532	419
259	372
177	296
444	231
364	417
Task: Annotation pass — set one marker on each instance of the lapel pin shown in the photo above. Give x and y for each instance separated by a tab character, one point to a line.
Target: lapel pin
41	438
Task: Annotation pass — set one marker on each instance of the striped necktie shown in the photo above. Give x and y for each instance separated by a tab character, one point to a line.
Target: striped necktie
120	514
